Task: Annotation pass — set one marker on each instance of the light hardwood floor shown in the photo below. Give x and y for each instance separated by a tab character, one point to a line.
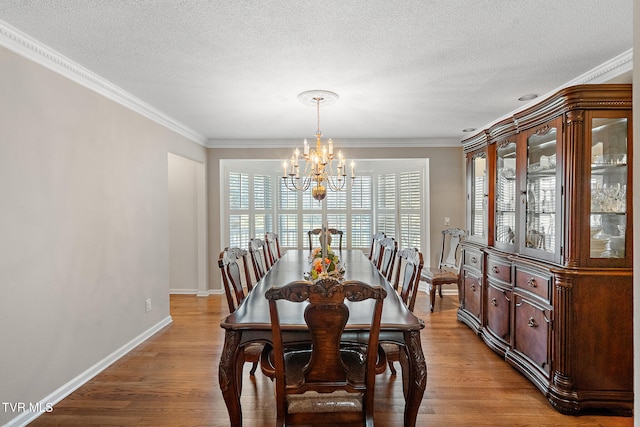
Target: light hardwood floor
172	380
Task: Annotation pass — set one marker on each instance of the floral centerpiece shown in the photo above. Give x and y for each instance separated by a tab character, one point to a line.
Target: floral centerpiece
325	266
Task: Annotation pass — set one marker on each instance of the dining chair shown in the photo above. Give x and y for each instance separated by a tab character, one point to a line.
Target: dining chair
448	270
328	383
375	245
407	278
272	244
257	253
332	233
387	256
229	263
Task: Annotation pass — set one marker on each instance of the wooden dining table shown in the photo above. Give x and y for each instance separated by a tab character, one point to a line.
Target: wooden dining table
251	323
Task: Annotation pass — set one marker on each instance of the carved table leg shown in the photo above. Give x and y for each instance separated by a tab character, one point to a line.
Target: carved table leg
230	375
414	376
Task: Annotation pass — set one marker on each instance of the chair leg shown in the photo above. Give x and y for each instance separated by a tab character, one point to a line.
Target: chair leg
252	372
392	368
440	291
432	296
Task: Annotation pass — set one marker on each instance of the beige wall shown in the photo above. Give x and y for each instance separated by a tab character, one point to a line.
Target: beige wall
83	228
446	177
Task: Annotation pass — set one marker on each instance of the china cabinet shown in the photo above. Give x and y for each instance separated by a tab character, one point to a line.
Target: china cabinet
547	268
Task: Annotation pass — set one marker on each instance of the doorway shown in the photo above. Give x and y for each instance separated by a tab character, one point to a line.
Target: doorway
187	226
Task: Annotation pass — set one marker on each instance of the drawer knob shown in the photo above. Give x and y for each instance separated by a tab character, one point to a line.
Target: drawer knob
531	322
473	288
495	269
532	282
474	260
494	302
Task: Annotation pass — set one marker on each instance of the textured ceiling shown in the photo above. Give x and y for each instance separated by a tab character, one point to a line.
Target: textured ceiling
403	69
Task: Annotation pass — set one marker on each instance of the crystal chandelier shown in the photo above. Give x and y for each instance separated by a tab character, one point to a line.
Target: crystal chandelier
319	170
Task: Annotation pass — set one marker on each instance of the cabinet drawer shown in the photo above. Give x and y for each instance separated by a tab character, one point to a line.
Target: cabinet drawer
499	269
531	332
473	259
472	294
539	284
498	319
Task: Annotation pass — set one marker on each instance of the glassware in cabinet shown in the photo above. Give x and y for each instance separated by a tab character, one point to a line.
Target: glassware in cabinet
539	192
608	182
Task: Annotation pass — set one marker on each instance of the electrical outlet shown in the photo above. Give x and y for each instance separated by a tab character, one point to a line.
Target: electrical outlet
447	220
147	305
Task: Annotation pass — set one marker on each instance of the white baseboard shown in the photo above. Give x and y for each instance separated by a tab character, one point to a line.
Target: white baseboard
196	292
183	291
210	292
28	415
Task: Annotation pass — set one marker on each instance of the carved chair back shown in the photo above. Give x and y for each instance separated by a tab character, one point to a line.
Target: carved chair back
330	376
387	256
332	233
258	255
374	252
230	261
450	249
407	277
273	247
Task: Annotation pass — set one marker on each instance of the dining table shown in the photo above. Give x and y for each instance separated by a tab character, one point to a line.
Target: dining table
251	323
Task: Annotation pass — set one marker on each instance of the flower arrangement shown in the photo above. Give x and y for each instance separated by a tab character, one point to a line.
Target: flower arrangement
327	266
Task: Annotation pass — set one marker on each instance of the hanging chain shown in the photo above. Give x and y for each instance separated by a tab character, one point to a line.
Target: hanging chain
318	99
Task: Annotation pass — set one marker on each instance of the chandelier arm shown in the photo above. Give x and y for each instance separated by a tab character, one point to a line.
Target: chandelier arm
336	183
296	184
343	182
287	185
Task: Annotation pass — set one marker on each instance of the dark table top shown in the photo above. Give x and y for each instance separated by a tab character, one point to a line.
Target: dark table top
253	313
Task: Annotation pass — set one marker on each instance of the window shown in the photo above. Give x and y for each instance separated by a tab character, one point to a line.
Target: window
410	209
238	208
399	207
250	201
362	212
386	212
392	202
263	204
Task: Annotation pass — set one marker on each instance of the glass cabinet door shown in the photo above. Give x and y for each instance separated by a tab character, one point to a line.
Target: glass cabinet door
540	193
505	196
608	181
477	197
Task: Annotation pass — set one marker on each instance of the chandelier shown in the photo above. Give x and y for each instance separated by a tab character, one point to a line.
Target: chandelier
319	169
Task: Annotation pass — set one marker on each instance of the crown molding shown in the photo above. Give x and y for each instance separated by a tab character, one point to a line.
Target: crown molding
603	73
26	46
606	71
343	143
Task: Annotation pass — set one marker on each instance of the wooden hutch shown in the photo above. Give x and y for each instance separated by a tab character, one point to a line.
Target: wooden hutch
547	264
